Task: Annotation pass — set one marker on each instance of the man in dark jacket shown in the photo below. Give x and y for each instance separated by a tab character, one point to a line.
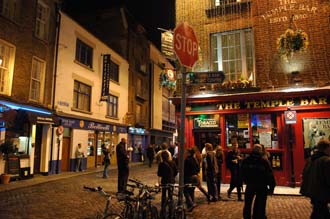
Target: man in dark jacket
122	162
258	176
316	180
233	161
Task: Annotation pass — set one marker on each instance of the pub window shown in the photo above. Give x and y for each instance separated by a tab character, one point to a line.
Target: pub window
37	79
264	130
112	109
237	130
7	54
10	9
232	53
42	21
84	53
82	96
114	71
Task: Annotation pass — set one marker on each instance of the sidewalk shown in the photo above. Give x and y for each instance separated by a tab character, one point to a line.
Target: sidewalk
38	179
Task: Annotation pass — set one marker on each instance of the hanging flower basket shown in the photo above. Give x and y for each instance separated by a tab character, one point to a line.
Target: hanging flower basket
292	41
164	81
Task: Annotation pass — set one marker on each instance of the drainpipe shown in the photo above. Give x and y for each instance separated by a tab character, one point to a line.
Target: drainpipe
57	36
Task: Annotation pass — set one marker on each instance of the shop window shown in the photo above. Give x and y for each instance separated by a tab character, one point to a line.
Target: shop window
37	79
81	96
11	9
42	21
264	130
7	54
232	53
112	108
84	53
237	130
91	144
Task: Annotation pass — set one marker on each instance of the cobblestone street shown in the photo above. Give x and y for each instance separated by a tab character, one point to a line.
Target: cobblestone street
66	198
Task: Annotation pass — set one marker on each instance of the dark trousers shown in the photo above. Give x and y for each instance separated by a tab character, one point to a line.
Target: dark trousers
218	183
211	187
235	182
189	194
167	193
320	210
151	160
122	179
259	194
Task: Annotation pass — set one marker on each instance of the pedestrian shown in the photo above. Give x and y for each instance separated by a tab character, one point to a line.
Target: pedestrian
176	153
211	169
122	163
150	154
258	176
191	169
218	177
79	156
316	180
167	171
106	160
233	162
164	147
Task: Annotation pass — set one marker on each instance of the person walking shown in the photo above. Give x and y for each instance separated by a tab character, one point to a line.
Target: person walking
106	160
150	154
258	176
164	147
218	177
316	180
211	169
167	171
122	163
233	163
79	156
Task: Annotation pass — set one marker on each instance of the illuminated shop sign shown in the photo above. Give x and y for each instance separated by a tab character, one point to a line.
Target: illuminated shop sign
260	104
205	123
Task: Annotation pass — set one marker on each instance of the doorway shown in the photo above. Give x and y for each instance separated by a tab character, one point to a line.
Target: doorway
37	149
202	136
65	154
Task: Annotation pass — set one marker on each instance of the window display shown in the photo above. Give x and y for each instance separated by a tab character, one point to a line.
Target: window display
237	128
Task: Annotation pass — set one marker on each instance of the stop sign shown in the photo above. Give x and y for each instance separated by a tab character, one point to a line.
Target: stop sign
185	44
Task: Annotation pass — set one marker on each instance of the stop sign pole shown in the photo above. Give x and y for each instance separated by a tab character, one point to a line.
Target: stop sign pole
186	48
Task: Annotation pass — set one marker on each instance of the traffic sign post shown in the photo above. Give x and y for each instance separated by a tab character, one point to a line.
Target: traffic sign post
186	49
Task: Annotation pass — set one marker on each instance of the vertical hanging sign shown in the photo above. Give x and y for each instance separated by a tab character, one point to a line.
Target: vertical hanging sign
105	77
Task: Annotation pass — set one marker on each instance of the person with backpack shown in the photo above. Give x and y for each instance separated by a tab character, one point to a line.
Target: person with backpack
316	180
167	171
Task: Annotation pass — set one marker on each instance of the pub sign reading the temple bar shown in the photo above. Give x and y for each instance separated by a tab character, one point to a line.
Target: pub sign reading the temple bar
105	77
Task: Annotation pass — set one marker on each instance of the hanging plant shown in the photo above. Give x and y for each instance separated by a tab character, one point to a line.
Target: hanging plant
165	82
292	41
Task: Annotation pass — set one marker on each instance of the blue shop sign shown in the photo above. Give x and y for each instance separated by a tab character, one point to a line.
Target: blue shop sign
137	131
83	124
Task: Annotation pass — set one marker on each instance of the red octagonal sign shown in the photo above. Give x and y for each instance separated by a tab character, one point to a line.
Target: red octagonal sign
185	44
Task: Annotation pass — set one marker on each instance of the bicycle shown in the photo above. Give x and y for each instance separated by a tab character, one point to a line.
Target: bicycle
142	206
171	209
105	214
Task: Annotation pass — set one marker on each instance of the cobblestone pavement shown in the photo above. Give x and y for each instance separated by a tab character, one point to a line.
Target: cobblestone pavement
66	198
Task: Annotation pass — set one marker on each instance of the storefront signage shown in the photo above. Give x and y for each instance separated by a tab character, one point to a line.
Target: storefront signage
13	164
167	45
105	77
137	131
205	123
83	124
272	103
287	7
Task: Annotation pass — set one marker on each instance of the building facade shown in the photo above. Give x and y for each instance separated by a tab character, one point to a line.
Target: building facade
91	96
275	90
27	47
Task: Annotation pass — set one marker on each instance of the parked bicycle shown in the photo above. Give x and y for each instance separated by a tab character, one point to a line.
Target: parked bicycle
106	214
173	209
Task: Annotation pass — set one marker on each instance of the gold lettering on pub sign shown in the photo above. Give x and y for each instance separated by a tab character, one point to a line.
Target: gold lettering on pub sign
280	13
272	103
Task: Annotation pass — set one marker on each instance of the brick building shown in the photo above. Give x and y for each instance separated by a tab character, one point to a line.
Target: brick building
27	48
267	97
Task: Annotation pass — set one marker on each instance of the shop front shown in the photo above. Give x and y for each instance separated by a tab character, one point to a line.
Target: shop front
30	130
91	134
137	142
288	124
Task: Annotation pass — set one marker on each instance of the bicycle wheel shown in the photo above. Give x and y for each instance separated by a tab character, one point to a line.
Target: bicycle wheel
113	216
180	213
128	212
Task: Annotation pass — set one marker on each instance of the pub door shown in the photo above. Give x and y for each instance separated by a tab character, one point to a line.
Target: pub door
37	149
202	136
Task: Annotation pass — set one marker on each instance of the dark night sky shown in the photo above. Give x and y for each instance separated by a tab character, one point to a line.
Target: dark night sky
152	14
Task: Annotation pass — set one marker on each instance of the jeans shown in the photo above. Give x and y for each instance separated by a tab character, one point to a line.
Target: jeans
106	167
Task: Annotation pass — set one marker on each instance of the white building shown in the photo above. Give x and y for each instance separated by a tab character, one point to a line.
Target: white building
80	85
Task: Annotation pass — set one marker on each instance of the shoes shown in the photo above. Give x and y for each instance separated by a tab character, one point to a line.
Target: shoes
208	199
105	177
240	200
228	194
214	199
